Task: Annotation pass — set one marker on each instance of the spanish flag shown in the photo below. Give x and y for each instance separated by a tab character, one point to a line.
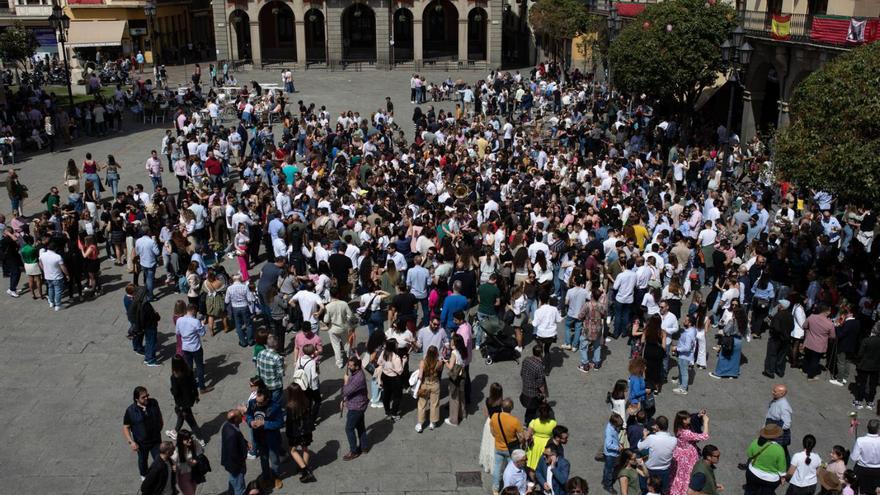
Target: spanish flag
780	27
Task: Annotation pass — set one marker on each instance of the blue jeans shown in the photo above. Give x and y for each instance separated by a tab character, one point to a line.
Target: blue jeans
356	431
608	471
94	179
196	362
478	337
142	457
586	357
573	328
270	454
56	288
244	326
621	318
157	181
150	338
663	474
236	483
375	392
114	186
375	322
149	280
425	310
683	373
501	458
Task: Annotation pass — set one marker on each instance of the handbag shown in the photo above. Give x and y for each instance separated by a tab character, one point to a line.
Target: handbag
200	469
367	315
511	446
456	373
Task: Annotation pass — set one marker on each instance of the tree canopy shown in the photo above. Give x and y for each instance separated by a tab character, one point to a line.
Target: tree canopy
17	44
672	50
559	19
833	141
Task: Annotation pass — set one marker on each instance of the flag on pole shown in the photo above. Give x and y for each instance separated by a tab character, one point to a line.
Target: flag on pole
780	27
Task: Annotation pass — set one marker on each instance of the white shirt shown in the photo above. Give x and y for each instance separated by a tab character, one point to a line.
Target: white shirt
538	246
866	451
707	237
660	446
308	301
52	263
625	284
546	319
804	474
669	323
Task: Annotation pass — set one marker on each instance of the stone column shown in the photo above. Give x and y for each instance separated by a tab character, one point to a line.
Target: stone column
225	46
494	27
417	42
255	44
333	32
300	27
229	49
383	35
462	37
747	126
783	114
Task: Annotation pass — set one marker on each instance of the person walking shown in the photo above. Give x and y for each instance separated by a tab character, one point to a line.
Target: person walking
240	300
847	333
867	370
455	366
142	427
189	457
186	394
234	452
265	418
866	459
354	400
299	426
161	478
191	331
145	325
339	317
429	390
534	383
779	413
148	253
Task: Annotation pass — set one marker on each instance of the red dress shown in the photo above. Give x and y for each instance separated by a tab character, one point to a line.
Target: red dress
684	457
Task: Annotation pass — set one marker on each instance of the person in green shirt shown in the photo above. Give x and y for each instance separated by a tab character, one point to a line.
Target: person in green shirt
628	469
30	256
766	465
488	297
52	199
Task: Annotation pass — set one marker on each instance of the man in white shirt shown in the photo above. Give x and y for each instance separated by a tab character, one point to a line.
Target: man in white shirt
309	304
866	458
659	444
55	272
624	290
515	473
538	245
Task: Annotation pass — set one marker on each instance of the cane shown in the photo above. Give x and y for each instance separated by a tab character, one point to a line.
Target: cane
831	358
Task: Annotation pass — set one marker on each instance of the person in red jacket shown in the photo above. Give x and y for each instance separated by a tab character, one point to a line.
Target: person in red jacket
214	169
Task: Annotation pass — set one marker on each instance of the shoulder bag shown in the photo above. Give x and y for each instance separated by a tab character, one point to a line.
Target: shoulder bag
745	465
511	446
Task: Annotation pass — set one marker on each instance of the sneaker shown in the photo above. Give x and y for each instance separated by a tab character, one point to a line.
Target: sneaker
12	293
608	339
171	434
584	368
201	442
431	426
860	405
51	304
153	364
837	382
450	423
856	404
419	428
251	456
713	375
518	349
679	391
57	308
477	347
376	405
395	418
143	478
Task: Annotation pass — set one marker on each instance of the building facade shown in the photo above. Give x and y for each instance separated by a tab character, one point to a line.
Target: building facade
379	33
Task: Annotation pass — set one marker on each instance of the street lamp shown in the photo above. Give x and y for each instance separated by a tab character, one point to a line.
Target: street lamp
150	13
60	22
736	54
614	25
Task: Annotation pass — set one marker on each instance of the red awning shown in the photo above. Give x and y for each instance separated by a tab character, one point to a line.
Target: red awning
627	9
85	2
833	29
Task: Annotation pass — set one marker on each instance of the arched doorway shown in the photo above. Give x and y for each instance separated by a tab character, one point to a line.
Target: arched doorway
240	34
316	47
402	50
358	33
277	37
769	116
440	30
477	34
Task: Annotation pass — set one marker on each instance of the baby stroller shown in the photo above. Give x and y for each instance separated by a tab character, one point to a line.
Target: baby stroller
499	343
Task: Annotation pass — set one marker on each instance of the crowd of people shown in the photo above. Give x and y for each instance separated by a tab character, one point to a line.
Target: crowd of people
544	204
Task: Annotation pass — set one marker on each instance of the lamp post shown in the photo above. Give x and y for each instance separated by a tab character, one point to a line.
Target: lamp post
60	22
150	13
614	25
736	54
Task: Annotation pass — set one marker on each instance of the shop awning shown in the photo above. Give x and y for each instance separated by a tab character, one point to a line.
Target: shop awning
709	92
85	34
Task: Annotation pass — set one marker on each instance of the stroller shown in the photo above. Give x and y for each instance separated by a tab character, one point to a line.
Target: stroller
499	343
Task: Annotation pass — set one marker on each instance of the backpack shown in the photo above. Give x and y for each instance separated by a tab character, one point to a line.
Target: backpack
299	376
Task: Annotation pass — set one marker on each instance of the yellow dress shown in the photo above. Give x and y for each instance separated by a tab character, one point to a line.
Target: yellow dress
542	433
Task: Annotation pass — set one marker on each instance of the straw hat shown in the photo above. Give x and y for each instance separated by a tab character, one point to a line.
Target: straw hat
771	432
829	481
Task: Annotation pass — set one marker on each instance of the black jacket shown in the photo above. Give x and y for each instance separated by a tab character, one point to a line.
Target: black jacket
781	326
156	478
184	391
233	449
848	336
869	354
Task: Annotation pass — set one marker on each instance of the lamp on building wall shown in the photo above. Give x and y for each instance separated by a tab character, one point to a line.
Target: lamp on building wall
313	17
357	11
402	18
438	8
60	22
736	55
478	17
275	11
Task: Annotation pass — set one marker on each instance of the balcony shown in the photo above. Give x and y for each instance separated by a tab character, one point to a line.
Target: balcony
760	24
41	11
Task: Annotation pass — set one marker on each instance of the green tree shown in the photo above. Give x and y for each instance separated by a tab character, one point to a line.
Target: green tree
17	44
559	20
672	50
833	141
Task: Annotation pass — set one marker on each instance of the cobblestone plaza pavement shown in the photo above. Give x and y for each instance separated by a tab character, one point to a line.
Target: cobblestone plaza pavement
66	377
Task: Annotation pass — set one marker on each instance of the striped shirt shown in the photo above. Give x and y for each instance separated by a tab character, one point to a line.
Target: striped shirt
239	296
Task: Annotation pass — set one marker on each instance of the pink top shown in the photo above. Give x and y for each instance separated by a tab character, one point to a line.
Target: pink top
301	340
817	330
467	334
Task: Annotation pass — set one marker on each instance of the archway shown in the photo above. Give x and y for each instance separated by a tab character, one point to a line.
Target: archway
316	47
769	116
358	33
277	36
240	33
477	34
402	51
440	30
